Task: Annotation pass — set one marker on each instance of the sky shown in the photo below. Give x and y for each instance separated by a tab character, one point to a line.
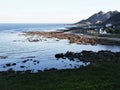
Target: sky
52	11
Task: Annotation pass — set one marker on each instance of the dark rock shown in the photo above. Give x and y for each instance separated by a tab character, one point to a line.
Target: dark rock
36	62
30	57
93	57
13	64
4	66
25	61
59	55
8	64
22	66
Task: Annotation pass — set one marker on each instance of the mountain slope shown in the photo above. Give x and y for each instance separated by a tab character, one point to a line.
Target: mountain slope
99	17
114	19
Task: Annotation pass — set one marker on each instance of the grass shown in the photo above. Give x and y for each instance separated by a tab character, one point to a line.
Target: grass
95	33
104	76
111	35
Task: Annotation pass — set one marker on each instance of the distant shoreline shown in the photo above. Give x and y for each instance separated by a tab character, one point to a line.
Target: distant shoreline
73	38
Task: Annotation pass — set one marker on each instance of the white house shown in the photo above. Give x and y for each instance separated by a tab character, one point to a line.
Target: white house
101	31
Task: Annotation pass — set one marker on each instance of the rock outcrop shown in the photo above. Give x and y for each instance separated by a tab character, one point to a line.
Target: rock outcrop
90	56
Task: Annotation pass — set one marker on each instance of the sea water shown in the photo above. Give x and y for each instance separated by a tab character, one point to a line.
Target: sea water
38	55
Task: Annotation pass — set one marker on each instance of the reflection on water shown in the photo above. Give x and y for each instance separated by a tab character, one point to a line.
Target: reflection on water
23	55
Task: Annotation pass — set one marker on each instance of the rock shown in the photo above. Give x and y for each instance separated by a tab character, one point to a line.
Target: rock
22	66
8	64
25	61
34	40
3	57
13	64
36	62
90	56
59	55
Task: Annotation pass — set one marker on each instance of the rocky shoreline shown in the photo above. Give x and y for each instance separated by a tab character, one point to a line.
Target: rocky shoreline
61	35
73	38
90	56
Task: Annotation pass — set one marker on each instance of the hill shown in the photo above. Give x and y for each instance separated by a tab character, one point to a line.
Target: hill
113	20
97	18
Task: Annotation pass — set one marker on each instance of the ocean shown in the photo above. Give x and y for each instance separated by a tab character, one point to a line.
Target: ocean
17	53
30	27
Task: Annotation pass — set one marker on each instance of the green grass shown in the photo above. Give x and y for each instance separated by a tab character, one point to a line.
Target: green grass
111	35
105	76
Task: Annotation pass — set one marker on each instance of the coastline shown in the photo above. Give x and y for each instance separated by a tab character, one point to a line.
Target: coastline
74	38
104	72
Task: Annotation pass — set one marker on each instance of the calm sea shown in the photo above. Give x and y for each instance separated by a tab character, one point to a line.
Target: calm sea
30	27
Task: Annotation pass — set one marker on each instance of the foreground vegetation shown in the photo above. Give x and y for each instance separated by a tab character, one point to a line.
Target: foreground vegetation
103	76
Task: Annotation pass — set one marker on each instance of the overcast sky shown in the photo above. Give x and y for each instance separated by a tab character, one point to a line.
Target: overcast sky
52	11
